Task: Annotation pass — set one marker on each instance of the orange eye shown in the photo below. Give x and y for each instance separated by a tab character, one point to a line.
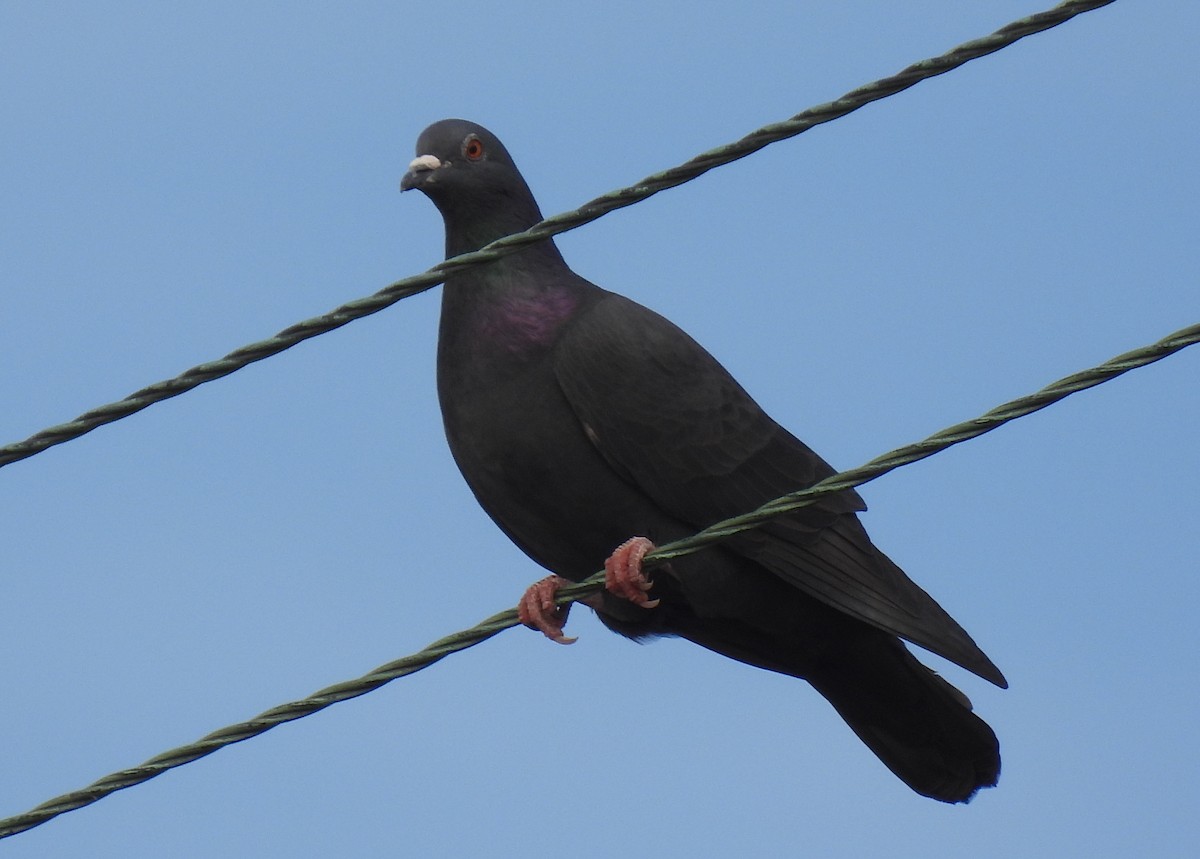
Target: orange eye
473	148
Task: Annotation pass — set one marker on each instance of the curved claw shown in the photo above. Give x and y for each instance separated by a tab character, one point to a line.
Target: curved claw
537	610
623	572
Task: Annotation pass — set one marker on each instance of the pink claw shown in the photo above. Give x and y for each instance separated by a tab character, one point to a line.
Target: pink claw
537	609
623	572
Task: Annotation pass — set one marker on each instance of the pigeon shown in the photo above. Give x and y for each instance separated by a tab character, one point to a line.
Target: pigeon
590	429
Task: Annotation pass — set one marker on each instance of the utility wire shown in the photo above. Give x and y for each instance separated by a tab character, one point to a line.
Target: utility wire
597	208
499	622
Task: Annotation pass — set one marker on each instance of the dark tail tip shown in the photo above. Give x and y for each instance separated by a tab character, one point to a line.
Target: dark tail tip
920	726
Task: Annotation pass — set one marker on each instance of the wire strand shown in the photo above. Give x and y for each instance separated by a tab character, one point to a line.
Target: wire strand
409	286
503	620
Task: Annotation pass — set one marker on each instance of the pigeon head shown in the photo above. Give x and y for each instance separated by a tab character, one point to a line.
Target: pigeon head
469	175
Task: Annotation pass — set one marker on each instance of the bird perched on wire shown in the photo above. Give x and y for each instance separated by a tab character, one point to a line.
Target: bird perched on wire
591	428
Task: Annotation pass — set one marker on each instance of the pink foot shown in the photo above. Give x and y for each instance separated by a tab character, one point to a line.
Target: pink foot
537	609
623	572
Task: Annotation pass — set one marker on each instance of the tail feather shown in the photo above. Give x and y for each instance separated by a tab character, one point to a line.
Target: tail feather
920	726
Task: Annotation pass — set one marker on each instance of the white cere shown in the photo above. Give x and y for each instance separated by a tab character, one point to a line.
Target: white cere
425	162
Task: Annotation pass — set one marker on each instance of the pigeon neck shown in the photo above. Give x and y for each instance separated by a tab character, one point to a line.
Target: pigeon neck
461	242
468	228
512	309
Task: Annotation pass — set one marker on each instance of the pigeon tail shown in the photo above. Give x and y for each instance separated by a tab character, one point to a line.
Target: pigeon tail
920	726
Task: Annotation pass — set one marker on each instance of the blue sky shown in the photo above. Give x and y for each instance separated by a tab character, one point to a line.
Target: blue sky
177	182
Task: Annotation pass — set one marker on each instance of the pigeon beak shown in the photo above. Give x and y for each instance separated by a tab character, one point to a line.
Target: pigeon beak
419	171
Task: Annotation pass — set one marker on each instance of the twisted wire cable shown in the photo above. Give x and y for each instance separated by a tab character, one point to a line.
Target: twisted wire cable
499	622
597	208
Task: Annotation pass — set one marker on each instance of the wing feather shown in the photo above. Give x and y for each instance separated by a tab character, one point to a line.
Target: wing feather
673	422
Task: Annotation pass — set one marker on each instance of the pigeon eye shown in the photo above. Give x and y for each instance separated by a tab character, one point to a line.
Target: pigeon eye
473	148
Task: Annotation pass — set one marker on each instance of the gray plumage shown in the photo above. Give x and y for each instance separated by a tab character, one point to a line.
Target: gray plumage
580	418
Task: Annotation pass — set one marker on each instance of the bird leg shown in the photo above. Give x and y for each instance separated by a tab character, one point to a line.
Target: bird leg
623	576
537	609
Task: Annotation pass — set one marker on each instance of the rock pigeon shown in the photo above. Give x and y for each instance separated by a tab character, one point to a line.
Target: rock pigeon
581	419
